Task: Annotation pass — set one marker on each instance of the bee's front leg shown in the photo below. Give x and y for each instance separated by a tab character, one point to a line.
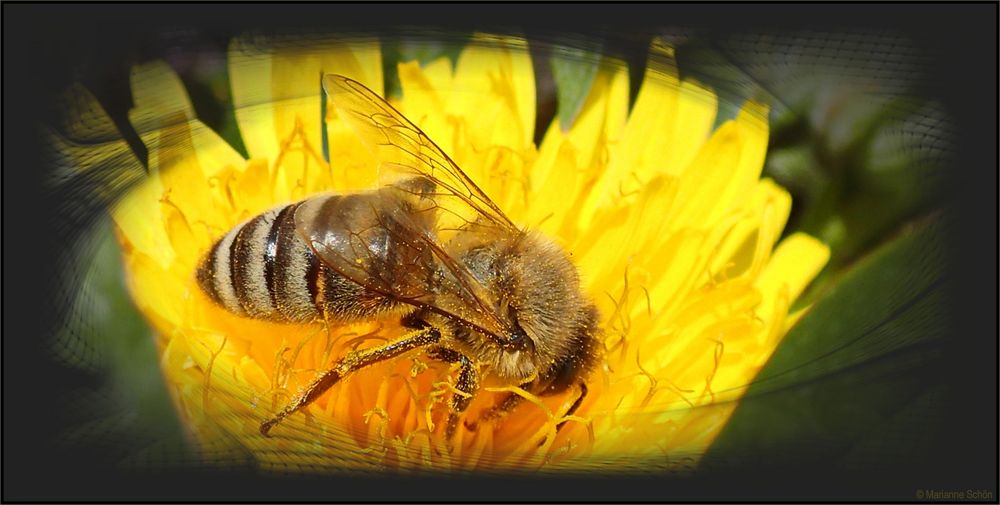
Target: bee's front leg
350	364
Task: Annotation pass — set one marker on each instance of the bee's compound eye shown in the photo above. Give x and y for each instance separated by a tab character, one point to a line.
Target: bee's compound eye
518	339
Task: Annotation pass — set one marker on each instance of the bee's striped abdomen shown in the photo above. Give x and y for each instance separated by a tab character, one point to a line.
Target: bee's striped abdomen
293	270
214	274
247	265
265	270
261	269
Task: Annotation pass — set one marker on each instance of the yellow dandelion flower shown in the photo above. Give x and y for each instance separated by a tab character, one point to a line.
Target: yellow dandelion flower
671	227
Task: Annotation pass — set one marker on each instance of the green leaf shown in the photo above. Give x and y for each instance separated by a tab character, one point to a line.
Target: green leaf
852	367
573	71
130	411
797	170
427	51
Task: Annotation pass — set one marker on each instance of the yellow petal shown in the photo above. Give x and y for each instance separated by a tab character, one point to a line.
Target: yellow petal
496	91
486	123
669	122
279	86
424	98
598	126
173	201
162	106
764	216
727	167
159	98
794	263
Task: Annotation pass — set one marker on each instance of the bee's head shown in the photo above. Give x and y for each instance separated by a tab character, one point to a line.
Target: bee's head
535	293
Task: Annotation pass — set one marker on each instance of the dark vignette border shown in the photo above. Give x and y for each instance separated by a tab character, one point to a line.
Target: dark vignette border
46	46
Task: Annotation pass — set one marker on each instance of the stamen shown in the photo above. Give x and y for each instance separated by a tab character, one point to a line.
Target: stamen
417	368
165	200
717	358
305	147
280	377
652	380
295	353
208	375
381	429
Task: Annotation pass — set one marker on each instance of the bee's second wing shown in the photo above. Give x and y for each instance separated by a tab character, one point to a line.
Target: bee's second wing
385	241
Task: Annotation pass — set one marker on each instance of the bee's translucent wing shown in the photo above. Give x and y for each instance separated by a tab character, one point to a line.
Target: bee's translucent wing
405	152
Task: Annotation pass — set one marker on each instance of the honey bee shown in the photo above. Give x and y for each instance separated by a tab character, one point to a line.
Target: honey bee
429	249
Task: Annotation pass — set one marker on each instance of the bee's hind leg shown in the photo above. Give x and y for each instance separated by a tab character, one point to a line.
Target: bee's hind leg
512	400
571	410
498	411
576	404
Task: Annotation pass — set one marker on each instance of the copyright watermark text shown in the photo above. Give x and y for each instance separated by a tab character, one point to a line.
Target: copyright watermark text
954	494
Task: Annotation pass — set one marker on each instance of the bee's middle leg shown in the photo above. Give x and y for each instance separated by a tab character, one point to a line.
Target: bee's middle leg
467	384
